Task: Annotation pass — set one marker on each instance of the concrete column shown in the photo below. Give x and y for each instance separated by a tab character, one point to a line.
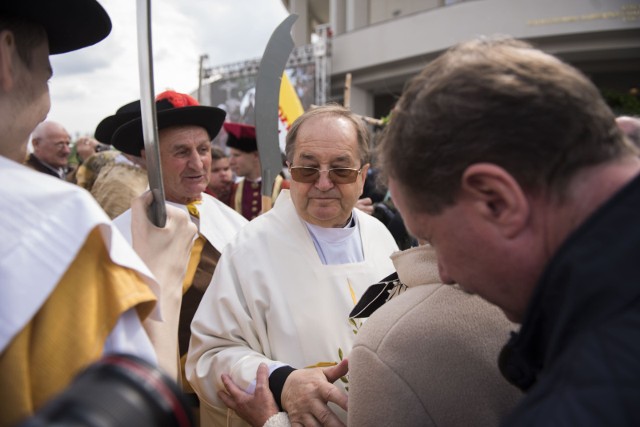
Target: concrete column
300	31
337	16
357	14
361	101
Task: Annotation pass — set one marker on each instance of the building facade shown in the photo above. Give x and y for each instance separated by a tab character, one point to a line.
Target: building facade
377	45
383	43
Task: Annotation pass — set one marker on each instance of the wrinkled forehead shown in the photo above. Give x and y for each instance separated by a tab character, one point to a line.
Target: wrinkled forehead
319	157
327	139
56	137
175	136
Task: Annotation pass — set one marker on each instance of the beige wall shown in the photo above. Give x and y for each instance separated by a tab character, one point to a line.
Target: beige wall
382	51
383	10
430	32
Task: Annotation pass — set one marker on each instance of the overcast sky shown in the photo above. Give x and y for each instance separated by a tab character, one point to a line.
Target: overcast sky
94	82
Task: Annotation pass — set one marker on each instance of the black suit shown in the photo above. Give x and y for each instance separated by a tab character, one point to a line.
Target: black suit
34	163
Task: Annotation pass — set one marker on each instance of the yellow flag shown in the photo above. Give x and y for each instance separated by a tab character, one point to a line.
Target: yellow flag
290	107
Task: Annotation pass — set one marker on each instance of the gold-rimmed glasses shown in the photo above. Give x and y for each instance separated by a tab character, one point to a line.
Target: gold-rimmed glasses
308	175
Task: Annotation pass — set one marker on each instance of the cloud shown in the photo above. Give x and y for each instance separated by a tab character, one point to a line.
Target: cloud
77	64
94	82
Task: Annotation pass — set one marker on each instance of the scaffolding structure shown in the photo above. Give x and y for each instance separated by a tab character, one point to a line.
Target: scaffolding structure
322	55
317	53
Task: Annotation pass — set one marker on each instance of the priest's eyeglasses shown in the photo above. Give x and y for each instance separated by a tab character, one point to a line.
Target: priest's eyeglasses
309	175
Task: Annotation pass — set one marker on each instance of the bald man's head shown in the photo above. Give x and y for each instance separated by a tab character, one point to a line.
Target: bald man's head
51	143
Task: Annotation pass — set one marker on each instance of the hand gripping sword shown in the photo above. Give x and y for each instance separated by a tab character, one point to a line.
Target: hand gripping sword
268	82
157	211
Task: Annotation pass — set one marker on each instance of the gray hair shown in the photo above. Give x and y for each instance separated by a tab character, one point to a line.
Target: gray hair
332	110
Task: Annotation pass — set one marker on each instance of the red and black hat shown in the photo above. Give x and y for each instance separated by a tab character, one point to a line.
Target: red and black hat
70	24
241	137
124	129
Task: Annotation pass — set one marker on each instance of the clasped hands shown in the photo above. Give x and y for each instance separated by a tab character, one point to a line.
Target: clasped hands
305	397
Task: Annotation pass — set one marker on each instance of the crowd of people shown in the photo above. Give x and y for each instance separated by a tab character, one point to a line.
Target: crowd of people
507	294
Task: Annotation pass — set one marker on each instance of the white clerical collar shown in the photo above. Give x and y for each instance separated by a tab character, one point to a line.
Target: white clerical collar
338	245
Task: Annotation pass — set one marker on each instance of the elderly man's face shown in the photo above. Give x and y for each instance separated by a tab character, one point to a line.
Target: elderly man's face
185	153
327	142
53	147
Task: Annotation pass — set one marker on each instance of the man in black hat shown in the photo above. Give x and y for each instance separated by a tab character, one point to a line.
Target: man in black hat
185	133
245	162
72	289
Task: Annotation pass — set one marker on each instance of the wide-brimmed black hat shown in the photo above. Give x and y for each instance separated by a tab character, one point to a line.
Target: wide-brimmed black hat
173	108
108	126
70	24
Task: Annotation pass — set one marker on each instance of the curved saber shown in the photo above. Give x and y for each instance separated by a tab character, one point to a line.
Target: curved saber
268	82
157	211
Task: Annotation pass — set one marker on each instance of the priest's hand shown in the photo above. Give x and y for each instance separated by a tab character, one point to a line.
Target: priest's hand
255	408
306	393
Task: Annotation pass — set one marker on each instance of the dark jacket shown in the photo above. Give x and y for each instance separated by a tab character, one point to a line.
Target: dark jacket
35	163
578	351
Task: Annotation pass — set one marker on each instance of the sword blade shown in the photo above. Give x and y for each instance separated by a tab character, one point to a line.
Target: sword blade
268	82
157	211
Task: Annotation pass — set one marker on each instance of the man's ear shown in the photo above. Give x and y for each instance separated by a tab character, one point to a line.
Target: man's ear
7	52
364	171
497	196
363	175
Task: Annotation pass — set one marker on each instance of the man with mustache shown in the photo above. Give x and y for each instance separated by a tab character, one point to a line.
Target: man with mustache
185	131
285	286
